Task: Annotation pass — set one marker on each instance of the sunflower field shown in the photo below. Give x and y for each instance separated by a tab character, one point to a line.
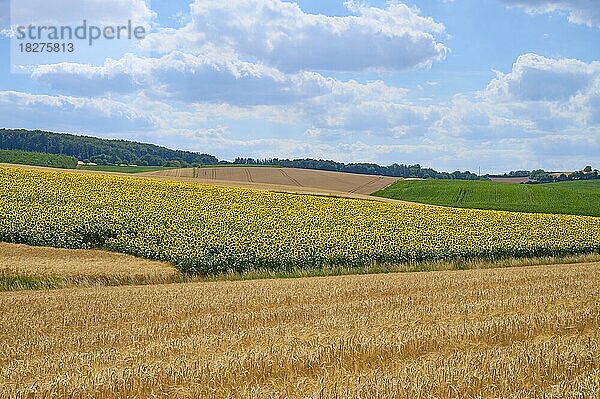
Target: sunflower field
209	230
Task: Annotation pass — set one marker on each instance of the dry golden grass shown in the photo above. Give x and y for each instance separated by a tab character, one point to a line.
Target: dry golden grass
505	333
81	266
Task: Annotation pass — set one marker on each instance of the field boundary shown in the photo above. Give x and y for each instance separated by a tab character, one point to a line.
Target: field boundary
22	282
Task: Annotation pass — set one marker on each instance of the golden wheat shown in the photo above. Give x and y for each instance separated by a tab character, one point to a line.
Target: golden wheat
505	333
23	260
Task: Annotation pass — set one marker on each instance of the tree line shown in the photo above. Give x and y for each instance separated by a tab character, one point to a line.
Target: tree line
100	151
37	159
395	170
541	176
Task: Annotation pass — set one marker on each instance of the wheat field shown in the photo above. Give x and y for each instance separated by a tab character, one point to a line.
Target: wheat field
530	332
24	267
24	260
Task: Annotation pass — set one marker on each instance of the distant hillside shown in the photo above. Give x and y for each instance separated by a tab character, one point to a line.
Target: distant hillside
116	152
37	159
100	151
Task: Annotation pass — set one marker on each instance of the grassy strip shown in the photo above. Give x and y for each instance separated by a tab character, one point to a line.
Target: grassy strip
413	267
19	283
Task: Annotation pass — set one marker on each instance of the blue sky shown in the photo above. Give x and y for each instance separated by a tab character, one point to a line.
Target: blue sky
462	84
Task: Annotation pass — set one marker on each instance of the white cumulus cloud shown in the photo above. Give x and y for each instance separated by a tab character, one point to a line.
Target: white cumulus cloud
282	35
66	113
537	78
214	77
585	12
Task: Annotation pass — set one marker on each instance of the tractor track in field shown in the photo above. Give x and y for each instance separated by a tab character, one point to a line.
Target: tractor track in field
296	182
367	184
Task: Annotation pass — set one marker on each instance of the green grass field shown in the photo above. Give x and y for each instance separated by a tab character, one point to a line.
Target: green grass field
574	198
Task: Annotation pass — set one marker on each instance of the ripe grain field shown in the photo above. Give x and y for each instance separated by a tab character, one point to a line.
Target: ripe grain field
26	267
505	333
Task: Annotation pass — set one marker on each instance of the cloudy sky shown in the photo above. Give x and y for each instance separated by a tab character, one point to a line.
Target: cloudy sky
451	84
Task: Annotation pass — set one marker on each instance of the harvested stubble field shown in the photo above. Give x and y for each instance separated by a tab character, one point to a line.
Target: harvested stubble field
293	179
505	333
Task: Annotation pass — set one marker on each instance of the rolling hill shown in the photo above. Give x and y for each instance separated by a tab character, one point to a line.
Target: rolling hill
100	151
284	178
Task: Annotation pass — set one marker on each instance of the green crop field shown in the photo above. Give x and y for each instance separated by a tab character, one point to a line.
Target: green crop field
574	197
